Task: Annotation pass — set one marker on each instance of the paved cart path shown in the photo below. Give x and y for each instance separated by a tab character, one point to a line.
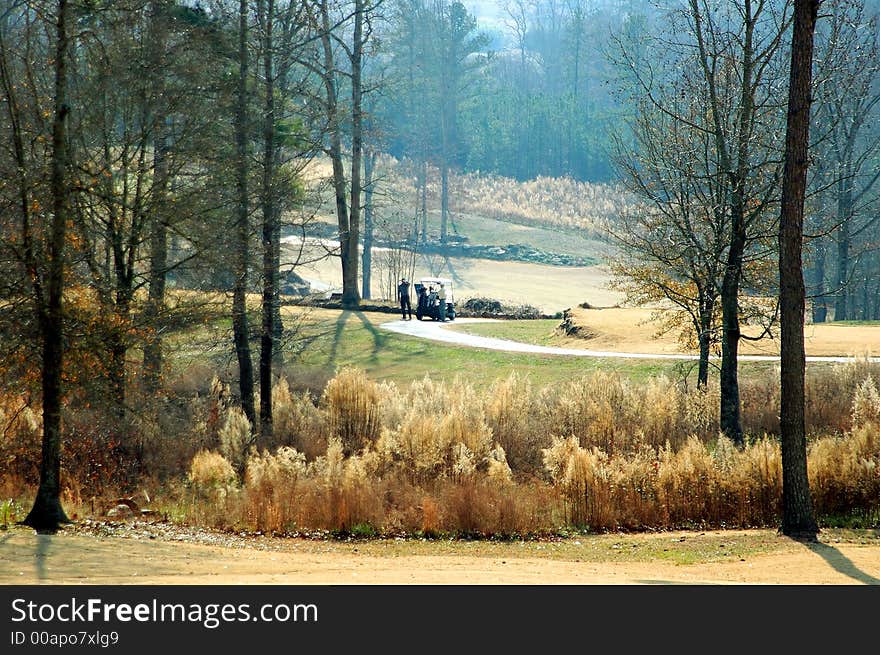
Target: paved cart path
440	332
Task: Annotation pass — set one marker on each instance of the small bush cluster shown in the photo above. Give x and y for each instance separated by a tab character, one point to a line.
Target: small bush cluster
489	308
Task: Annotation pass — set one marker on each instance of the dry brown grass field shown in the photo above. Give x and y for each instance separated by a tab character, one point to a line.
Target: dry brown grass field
560	202
632	329
549	288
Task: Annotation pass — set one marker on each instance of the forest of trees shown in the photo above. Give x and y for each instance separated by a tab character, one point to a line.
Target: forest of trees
149	143
537	102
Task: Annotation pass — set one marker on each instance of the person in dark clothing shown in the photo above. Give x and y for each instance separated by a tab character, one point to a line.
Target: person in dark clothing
403	297
441	302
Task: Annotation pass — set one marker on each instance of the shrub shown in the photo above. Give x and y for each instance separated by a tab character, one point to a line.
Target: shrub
845	473
687	483
598	452
214	484
866	404
514	417
581	475
20	439
297	422
236	437
351	401
210	470
271	484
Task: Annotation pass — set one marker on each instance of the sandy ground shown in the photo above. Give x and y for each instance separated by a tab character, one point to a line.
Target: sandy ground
27	558
632	330
549	288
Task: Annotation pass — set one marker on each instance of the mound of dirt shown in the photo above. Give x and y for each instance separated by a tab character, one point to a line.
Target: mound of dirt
570	328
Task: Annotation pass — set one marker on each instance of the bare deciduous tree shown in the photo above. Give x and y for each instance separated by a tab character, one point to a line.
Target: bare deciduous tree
797	506
728	56
48	289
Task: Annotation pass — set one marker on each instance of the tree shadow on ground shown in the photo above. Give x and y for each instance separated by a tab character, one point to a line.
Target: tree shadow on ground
43	543
840	563
337	335
453	273
378	337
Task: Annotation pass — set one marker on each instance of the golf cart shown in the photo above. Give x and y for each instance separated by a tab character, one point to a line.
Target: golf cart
428	305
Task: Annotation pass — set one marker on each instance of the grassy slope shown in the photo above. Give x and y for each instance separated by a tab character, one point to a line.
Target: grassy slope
329	340
489	231
549	288
353	338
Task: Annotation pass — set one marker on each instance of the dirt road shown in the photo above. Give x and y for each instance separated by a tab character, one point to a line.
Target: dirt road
148	556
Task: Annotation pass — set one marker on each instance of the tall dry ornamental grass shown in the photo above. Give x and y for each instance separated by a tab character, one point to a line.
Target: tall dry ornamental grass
513	415
597	452
20	438
866	404
297	421
236	437
351	401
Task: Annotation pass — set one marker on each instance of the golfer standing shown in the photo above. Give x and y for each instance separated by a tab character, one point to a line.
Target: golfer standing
441	297
403	297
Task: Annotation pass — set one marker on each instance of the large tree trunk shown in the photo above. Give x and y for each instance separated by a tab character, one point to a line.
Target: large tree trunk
423	201
864	309
844	213
704	339
242	229
875	312
158	266
820	308
444	200
446	119
797	508
736	164
158	240
731	422
350	297
367	261
118	355
266	8
124	258
334	126
47	514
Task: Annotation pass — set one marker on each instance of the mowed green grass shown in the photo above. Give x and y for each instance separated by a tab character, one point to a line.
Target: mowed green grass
540	332
491	231
351	338
327	340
